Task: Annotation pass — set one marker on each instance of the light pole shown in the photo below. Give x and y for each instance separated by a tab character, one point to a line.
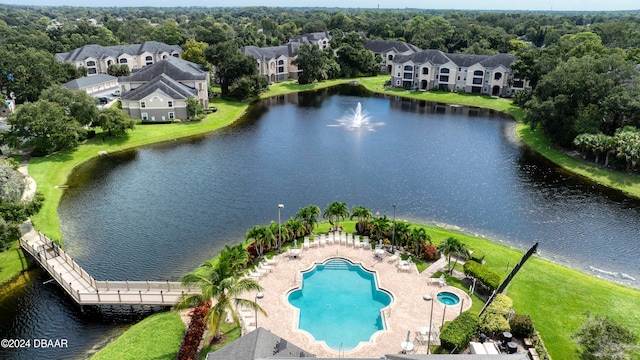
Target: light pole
259	295
393	235
429	298
280	206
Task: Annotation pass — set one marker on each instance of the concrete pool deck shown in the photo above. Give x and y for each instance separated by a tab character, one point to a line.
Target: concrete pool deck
407	312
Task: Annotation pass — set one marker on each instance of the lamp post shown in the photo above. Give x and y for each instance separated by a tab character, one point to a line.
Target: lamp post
280	206
259	295
429	298
393	234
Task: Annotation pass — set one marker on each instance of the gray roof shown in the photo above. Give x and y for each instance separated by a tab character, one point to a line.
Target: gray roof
86	81
383	46
174	67
268	53
162	84
311	37
463	60
434	56
259	344
101	52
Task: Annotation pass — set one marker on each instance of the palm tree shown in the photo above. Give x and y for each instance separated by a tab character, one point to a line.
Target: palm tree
220	289
309	216
283	232
262	237
362	214
417	237
451	246
336	210
381	228
402	233
295	227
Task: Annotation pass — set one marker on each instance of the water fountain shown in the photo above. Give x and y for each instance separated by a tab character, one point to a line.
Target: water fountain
357	119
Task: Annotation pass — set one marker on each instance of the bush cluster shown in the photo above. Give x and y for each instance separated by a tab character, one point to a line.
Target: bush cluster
430	253
477	255
488	277
494	320
456	334
191	341
521	326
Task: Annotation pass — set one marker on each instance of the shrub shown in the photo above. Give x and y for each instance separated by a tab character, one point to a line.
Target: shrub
193	336
477	255
489	278
430	253
521	326
456	334
501	305
493	323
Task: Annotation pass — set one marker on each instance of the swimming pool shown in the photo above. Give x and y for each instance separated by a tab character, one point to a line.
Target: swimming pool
340	304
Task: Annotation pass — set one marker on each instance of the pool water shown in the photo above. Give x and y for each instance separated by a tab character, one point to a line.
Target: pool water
448	298
340	304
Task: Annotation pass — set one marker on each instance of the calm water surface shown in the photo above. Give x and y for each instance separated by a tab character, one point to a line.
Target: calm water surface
157	212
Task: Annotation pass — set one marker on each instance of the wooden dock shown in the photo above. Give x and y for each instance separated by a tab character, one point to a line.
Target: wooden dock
86	290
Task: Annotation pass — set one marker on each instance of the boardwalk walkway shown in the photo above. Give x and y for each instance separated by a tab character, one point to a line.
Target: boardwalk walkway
86	290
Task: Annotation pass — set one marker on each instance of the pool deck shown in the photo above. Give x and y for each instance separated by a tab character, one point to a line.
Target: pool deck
408	311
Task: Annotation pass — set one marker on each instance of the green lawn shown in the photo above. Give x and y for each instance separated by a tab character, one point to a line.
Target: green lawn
12	262
156	337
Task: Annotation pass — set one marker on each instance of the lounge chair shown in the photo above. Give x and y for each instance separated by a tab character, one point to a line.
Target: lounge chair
270	262
366	244
264	266
305	244
323	240
330	239
349	239
394	257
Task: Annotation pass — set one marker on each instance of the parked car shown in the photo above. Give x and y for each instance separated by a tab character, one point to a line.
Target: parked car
103	100
116	93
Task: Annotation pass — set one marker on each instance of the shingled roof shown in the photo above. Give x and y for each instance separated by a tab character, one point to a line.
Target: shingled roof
437	57
383	46
311	37
259	344
86	81
174	67
273	52
162	84
101	52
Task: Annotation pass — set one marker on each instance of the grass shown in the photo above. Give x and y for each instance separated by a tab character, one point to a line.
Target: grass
156	337
12	263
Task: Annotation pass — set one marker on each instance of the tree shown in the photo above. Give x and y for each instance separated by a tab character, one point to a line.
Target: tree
311	63
381	228
194	51
229	64
335	212
76	104
353	59
114	121
362	214
262	236
45	126
602	338
219	283
452	246
118	70
309	217
417	237
247	87
194	109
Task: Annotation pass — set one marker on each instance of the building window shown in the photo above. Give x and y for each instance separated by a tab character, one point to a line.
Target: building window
425	71
478	73
408	76
122	61
397	82
390	57
458	78
444	78
170	103
444	71
281	69
143	104
171	116
176	55
273	66
280	62
91	63
459	69
91	71
145	116
408	68
497	76
477	81
148	58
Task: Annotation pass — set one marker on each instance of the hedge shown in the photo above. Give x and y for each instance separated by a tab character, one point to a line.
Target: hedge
477	255
487	276
456	334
